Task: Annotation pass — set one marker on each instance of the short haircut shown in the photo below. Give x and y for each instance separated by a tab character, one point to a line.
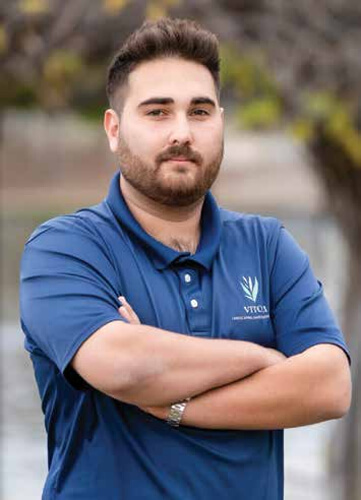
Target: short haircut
158	39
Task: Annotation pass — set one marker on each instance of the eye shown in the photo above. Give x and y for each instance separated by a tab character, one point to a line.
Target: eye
156	112
200	112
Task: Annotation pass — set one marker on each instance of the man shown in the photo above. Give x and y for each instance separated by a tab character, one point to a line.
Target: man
172	341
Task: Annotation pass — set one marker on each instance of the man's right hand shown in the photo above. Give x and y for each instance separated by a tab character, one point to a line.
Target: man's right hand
126	311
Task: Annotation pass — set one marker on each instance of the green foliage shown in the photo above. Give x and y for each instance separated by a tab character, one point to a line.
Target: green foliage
61	68
156	9
61	71
3	39
246	74
92	112
114	6
258	105
19	94
260	113
71	76
33	7
337	118
71	70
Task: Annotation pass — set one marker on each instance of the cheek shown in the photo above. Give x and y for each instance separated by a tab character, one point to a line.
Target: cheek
143	142
210	139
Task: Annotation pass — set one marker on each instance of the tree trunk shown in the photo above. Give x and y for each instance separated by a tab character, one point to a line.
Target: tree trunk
346	448
342	180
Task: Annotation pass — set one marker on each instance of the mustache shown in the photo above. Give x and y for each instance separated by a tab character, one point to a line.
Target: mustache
176	151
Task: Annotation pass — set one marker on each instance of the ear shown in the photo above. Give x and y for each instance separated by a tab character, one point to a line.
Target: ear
111	126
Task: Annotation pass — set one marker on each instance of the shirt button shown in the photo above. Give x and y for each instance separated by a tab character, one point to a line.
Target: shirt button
187	278
194	303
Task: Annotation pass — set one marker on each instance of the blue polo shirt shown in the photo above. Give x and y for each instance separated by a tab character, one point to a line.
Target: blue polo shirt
248	280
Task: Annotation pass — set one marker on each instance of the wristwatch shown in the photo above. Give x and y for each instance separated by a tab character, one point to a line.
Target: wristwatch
176	412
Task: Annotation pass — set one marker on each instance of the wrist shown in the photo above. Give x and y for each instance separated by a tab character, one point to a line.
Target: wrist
176	412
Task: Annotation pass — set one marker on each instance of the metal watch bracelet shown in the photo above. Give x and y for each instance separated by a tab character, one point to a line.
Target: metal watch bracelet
176	412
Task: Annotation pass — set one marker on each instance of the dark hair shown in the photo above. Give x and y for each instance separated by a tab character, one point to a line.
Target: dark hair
163	38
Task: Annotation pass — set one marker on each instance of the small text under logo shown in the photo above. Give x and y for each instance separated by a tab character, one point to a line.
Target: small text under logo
253	312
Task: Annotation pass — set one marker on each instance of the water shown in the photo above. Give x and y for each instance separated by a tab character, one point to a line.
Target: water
24	442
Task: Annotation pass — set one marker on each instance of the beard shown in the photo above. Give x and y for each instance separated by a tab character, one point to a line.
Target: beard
172	185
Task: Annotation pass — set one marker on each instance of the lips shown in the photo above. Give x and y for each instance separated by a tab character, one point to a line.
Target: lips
179	159
181	154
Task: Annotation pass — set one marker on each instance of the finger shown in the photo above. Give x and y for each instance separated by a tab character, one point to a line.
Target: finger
130	310
127	311
125	314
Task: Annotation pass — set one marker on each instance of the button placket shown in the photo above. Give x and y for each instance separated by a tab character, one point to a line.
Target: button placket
194	303
191	293
192	288
187	278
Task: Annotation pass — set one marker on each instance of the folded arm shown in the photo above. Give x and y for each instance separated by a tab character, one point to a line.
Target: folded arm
146	366
307	388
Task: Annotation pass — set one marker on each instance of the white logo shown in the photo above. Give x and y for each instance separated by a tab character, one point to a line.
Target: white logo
250	289
253	312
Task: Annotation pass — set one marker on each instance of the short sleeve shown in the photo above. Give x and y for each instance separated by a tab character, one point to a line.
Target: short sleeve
68	288
301	315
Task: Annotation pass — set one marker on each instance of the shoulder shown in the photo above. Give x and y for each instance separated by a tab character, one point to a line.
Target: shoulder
251	226
84	223
79	238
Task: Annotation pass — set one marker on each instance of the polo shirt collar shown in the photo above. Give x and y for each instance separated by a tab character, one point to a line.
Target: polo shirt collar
163	255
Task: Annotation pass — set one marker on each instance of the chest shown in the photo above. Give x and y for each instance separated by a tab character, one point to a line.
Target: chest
231	300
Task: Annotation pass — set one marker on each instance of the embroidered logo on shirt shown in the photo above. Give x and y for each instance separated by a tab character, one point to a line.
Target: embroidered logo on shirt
256	311
250	289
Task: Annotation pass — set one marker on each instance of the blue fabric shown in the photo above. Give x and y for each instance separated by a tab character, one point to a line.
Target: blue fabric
252	282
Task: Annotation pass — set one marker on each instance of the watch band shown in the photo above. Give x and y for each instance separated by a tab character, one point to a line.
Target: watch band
176	412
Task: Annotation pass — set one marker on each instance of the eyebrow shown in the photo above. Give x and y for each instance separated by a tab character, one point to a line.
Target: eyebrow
169	100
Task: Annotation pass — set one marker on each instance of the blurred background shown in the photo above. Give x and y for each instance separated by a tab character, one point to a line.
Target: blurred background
291	74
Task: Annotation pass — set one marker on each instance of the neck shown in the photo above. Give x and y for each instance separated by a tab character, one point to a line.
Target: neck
176	227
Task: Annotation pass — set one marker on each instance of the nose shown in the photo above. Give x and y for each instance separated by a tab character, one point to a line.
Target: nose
181	132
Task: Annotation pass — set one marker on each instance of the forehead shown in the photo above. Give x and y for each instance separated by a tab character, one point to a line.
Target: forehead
176	78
